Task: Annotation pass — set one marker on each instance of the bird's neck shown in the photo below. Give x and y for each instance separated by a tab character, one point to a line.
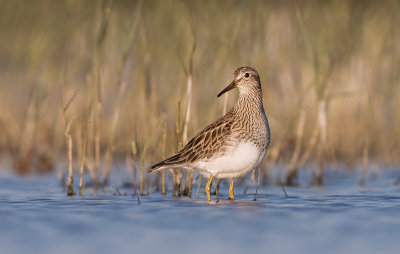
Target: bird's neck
249	101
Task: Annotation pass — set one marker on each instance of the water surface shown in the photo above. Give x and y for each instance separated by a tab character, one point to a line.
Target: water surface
36	216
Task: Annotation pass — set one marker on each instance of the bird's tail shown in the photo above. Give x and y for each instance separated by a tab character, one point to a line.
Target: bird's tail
156	167
163	165
173	161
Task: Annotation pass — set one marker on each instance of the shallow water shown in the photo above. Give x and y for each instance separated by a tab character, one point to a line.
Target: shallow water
36	216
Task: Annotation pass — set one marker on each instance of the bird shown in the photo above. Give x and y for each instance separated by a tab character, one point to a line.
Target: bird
233	145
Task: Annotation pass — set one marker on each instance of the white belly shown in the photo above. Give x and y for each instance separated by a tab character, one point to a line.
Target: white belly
236	162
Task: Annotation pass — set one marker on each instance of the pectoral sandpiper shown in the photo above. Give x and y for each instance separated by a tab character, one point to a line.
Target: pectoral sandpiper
233	145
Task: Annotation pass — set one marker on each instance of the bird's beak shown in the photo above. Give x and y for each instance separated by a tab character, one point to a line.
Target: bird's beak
229	87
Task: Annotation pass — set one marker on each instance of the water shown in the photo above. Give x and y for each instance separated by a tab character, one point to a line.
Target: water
36	216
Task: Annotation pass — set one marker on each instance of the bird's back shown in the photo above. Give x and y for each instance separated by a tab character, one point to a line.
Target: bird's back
210	141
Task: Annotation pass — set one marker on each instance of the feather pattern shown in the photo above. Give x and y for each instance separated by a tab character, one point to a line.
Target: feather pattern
245	123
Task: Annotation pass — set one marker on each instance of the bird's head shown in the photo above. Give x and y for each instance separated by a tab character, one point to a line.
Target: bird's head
244	78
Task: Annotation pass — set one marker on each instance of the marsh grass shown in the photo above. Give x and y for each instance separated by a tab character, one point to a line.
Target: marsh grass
329	69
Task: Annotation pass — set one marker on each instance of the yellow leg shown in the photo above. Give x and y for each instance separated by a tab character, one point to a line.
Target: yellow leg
208	188
231	196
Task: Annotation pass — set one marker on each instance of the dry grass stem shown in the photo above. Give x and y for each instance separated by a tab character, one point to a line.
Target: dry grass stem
70	182
163	145
291	176
82	167
134	152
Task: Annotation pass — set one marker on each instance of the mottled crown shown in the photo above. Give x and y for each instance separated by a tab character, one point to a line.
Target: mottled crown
245	69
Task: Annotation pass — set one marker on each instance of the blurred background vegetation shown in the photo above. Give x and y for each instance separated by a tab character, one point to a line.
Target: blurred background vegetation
113	77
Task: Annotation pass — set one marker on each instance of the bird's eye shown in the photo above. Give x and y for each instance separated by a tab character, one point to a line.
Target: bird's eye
246	75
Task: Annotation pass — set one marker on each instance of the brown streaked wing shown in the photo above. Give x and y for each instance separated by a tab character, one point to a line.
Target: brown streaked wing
207	142
204	144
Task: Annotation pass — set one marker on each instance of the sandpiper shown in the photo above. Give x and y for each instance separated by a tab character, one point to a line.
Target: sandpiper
233	145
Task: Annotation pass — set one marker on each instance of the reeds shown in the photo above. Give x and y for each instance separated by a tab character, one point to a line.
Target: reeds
68	139
134	171
121	89
329	74
82	166
70	181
